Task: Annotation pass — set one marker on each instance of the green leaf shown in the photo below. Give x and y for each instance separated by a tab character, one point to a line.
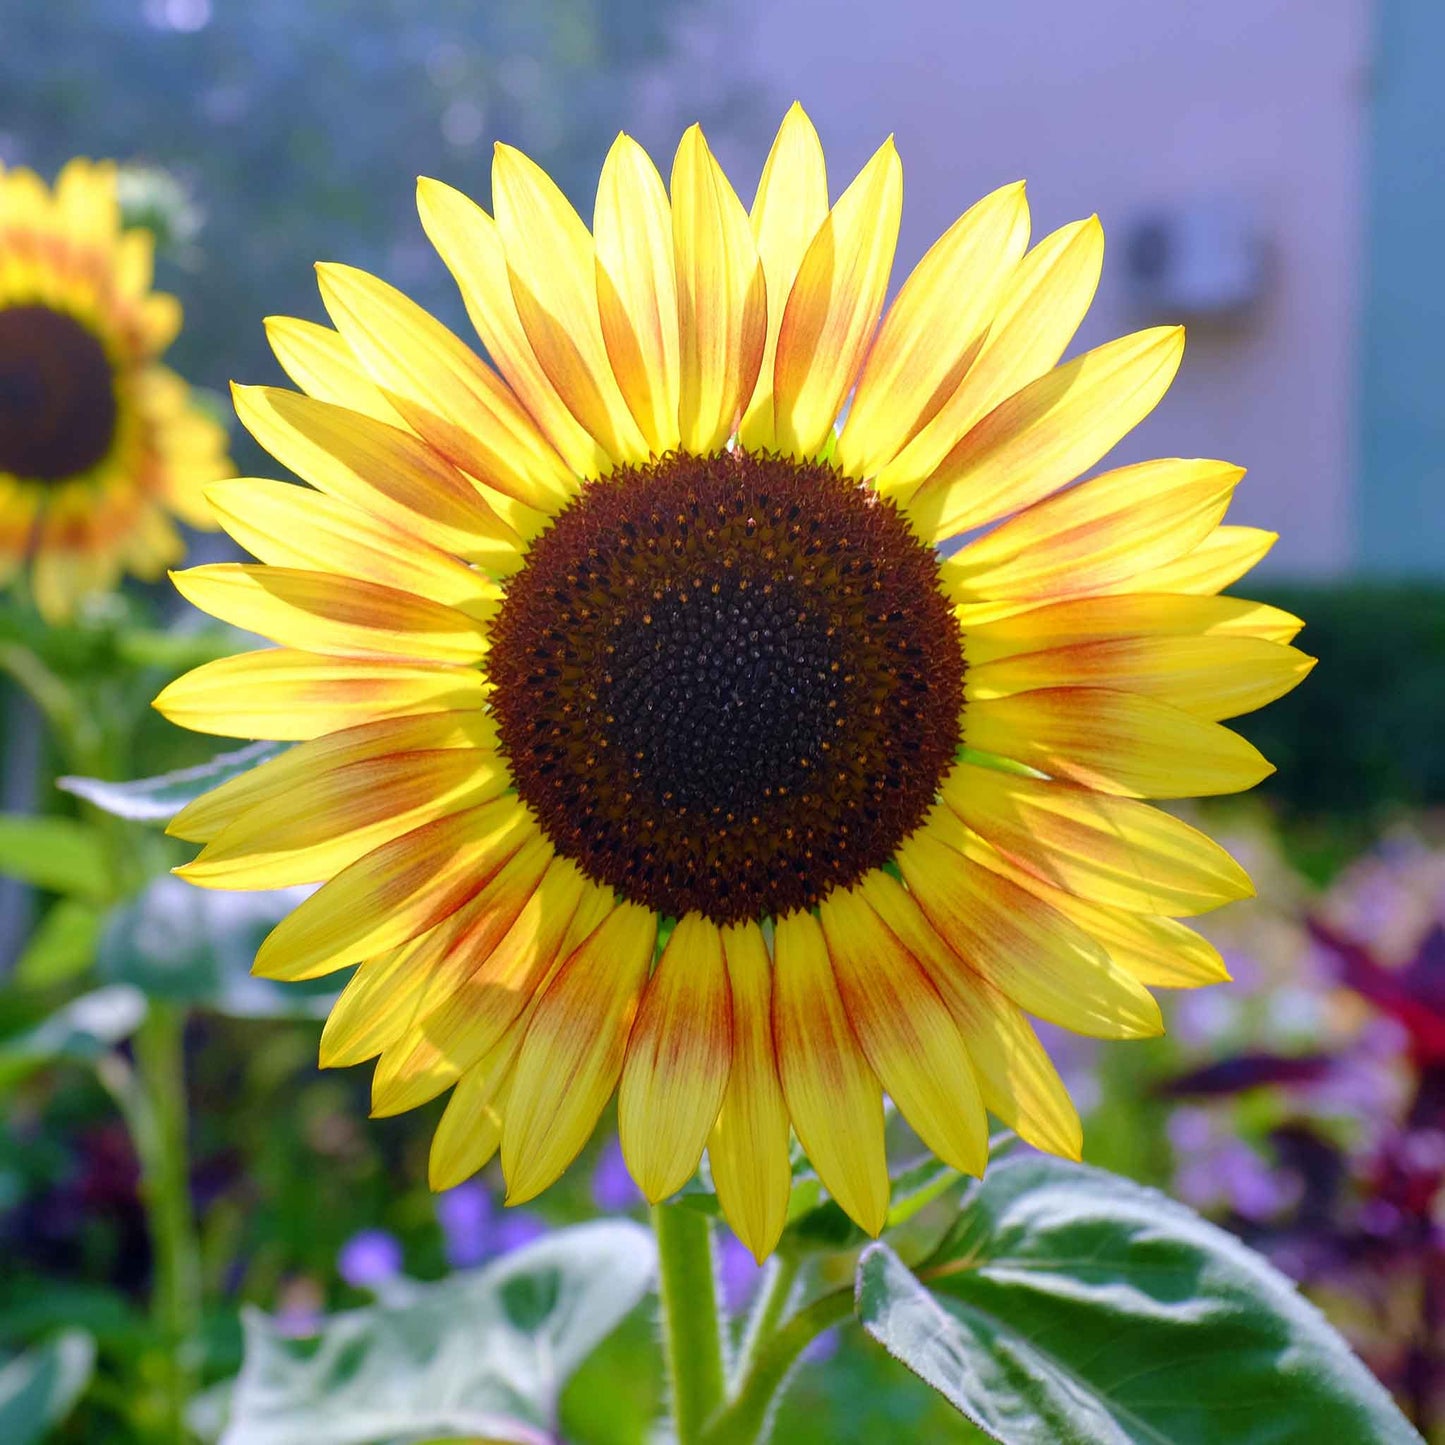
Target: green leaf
483	1353
60	854
195	946
39	1388
79	1033
62	946
1071	1305
159	799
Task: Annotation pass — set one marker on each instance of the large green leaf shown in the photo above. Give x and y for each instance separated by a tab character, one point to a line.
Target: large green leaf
60	854
195	946
483	1353
80	1032
159	799
1071	1305
62	946
38	1388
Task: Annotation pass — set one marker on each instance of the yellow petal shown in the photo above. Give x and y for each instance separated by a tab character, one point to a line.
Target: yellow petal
553	266
290	526
329	820
446	393
1018	1082
637	290
1109	850
791	203
1030	952
933	330
320	362
325	613
468	241
289	696
1097	534
1083	621
1223	557
834	305
1212	677
572	1055
1117	742
395	892
470	1130
1159	952
833	1095
380	469
1046	434
906	1032
203	818
678	1058
748	1149
722	304
1041	308
501	965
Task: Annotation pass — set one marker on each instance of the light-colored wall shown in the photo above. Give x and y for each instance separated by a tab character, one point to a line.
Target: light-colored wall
1117	106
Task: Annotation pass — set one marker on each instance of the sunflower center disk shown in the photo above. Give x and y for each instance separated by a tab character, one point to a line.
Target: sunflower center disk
727	684
57	395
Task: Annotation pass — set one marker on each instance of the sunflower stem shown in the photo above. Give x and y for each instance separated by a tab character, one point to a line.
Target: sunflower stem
165	1190
745	1420
692	1328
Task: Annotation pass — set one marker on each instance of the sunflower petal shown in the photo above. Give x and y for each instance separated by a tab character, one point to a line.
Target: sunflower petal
748	1148
574	1049
906	1032
1036	318
468	241
1223	557
470	1130
791	203
678	1058
1018	1082
1030	952
290	696
1046	434
832	1093
721	298
834	305
1116	742
933	329
1108	850
553	266
637	290
320	362
395	892
1099	533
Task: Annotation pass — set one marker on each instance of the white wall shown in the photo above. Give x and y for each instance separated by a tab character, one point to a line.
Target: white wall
1114	106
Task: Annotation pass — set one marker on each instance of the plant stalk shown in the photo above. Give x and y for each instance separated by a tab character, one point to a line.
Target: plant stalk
691	1325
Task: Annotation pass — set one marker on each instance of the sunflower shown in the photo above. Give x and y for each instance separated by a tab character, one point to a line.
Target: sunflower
646	741
100	446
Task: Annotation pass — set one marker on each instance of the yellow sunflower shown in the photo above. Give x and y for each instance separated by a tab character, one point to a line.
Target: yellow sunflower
100	445
647	743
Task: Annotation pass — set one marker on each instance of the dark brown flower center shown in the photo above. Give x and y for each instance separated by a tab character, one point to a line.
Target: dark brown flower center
727	684
57	395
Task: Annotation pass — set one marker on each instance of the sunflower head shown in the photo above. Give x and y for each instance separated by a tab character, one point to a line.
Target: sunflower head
100	446
646	742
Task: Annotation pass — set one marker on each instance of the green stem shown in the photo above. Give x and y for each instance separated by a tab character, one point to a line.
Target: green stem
746	1416
768	1310
691	1324
165	1187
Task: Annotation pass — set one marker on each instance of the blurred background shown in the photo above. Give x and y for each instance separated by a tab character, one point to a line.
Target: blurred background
1267	171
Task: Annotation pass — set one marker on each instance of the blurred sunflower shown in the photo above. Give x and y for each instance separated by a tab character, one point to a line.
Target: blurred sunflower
100	446
647	743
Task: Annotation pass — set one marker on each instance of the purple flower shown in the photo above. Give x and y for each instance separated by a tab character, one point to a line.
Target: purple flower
465	1215
613	1190
514	1229
369	1259
739	1274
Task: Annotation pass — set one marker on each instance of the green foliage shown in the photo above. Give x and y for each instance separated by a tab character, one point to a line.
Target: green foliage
1361	736
59	854
78	1033
484	1353
38	1388
1068	1304
62	946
